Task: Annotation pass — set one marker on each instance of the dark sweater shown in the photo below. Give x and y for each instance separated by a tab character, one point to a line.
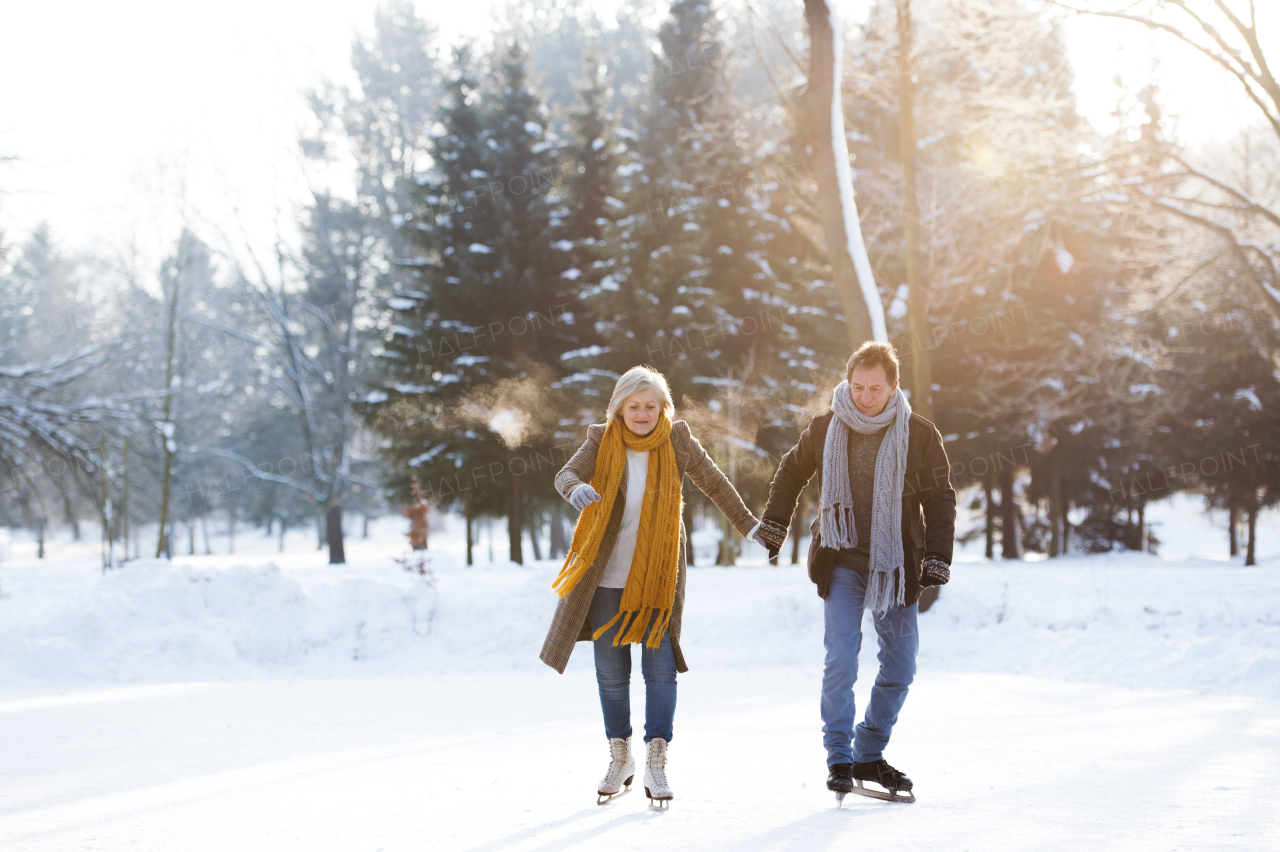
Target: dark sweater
928	500
863	450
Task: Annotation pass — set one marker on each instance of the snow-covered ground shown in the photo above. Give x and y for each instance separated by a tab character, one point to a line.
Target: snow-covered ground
270	701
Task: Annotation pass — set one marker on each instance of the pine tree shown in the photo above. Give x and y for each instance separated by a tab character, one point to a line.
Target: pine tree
383	122
466	403
1224	435
589	226
1026	309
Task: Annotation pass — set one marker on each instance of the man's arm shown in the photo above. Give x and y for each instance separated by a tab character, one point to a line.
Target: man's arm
938	500
793	474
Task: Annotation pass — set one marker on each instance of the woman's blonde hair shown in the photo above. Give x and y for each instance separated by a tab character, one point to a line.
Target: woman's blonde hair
638	380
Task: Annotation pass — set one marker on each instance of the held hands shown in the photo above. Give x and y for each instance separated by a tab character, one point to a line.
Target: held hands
934	572
583	496
770	536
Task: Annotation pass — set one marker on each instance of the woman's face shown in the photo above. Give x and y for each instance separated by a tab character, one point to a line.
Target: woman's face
640	412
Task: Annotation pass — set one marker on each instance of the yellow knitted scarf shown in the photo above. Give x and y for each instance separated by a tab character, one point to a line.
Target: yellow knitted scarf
651	585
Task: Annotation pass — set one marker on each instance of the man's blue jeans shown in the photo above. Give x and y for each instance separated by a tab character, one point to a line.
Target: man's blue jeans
613	675
899	643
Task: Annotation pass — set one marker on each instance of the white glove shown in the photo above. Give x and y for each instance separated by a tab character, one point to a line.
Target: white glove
583	496
757	538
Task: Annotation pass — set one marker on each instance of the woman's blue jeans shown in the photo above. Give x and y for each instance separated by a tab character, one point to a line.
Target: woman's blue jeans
613	675
899	643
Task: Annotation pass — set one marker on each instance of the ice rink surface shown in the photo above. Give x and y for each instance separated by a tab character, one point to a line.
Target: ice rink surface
1119	701
509	761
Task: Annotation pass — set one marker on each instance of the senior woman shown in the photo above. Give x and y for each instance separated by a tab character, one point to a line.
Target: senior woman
623	580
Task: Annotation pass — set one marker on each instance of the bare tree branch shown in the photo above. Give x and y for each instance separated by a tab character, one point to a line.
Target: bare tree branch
258	473
1269	291
1250	78
1250	204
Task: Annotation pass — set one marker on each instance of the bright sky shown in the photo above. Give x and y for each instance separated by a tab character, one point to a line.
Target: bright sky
119	111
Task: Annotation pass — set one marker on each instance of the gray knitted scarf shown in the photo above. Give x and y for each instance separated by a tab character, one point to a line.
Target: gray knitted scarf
836	523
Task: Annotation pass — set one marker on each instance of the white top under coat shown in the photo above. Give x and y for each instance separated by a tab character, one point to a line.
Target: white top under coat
619	567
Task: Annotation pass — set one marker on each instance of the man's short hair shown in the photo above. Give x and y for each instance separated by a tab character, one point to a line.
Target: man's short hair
872	353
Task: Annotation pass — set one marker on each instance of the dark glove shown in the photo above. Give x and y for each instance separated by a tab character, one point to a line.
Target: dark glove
934	572
771	535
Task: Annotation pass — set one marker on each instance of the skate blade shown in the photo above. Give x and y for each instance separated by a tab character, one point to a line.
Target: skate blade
839	801
883	795
657	804
606	798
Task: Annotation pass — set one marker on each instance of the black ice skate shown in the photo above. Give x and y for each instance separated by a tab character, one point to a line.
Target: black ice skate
840	781
879	772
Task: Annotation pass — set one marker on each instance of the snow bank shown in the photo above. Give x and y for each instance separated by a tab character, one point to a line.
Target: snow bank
1128	619
1124	619
154	620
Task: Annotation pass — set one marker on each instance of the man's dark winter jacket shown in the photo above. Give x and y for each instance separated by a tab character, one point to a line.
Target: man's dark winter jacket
928	500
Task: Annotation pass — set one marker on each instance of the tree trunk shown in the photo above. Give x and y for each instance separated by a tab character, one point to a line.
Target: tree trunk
104	504
559	547
928	597
124	502
1233	530
1010	547
829	166
728	551
39	538
1066	527
534	529
989	504
917	297
515	521
320	532
470	531
204	533
1250	557
69	513
333	525
1055	503
191	537
167	430
283	527
1142	526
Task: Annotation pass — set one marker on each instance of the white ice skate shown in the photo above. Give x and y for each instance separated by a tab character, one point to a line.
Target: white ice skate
655	775
622	770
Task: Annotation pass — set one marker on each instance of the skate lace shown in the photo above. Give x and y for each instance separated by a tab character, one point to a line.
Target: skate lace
617	761
657	765
889	777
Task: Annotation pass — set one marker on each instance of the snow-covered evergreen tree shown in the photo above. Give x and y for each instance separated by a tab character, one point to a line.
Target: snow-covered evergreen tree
478	339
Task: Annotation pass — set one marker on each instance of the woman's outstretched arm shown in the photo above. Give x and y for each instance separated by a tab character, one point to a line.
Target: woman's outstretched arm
711	482
582	466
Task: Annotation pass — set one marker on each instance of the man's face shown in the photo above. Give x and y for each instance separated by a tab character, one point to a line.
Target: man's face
870	389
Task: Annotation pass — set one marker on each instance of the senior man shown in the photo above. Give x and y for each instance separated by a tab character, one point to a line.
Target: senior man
885	530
